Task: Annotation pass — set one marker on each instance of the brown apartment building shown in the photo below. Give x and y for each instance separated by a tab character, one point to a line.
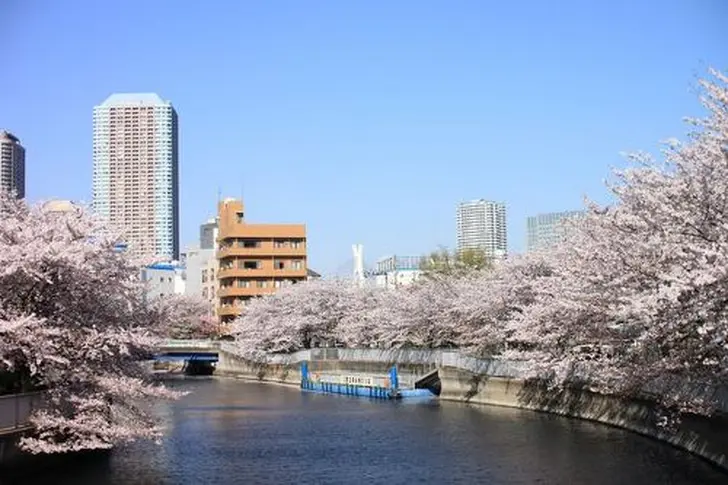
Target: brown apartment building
255	259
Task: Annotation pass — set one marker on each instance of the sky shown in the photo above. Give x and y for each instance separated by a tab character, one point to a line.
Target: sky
367	121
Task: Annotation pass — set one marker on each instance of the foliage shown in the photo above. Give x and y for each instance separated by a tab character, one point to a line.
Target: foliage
73	317
633	302
444	263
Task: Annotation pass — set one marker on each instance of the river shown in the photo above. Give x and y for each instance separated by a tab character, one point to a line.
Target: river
233	432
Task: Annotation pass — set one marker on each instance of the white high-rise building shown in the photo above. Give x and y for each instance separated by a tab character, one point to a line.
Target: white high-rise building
135	179
12	165
481	224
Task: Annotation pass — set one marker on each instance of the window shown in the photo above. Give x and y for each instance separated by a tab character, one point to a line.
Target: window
280	243
297	264
251	264
248	243
262	284
279	265
296	244
243	283
240	217
204	293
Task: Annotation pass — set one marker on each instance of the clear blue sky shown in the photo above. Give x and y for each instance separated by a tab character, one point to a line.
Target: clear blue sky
369	121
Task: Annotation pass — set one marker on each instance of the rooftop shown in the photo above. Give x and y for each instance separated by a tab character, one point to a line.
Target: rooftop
60	206
169	266
135	99
4	134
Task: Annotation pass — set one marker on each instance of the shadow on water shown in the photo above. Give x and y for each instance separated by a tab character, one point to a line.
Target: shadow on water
233	432
30	468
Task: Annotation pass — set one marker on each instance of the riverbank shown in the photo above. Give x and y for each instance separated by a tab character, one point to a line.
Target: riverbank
491	382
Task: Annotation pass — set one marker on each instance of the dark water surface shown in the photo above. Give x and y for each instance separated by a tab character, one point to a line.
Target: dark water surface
233	432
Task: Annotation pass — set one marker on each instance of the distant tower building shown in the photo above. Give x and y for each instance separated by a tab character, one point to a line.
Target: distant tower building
545	230
481	224
208	234
135	179
12	165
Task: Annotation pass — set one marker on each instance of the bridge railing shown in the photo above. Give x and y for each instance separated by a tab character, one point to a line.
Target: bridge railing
190	344
15	411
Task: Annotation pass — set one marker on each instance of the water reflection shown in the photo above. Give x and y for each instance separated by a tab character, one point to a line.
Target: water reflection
234	432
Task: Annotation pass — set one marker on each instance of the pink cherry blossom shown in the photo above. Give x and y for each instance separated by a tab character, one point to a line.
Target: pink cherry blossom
74	319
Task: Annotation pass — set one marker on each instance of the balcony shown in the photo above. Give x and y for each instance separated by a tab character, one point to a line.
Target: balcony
228	310
243	273
261	273
253	290
263	251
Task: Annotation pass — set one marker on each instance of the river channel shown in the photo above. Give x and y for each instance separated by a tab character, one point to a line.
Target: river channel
233	432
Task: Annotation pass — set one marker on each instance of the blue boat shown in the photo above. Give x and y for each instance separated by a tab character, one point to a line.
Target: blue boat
376	387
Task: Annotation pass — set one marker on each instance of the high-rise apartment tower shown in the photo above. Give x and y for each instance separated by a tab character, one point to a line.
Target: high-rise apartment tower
481	224
135	179
12	165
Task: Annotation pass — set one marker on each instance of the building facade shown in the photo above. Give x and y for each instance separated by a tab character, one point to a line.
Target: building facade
545	230
255	259
12	165
208	234
481	224
163	279
135	177
395	271
201	264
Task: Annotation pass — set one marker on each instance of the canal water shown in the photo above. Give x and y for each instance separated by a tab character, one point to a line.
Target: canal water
233	432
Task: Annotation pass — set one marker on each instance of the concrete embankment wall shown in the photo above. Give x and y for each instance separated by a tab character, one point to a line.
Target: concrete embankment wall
15	411
492	382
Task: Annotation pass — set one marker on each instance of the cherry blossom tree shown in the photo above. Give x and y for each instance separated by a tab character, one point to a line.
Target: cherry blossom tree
419	315
184	317
296	317
73	317
648	277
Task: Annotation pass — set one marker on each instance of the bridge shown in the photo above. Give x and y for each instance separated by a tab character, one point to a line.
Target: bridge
187	350
198	357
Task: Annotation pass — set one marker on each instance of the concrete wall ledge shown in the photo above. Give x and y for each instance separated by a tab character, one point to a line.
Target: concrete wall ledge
492	382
